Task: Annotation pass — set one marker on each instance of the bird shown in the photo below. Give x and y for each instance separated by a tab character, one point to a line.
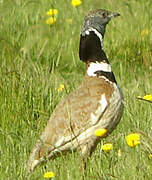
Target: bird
96	104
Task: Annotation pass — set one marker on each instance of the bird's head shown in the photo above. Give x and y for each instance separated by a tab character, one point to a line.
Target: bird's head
97	19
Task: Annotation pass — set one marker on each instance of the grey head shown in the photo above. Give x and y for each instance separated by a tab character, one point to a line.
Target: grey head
92	34
97	19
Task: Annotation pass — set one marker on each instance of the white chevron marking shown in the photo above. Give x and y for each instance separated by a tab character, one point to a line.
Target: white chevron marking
87	32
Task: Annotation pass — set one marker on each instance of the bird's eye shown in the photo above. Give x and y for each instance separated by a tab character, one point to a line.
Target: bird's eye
104	15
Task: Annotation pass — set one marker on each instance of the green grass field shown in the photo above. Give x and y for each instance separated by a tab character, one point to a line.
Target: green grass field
35	58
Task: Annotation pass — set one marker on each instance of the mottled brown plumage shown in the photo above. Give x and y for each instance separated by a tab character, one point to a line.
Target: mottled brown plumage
97	103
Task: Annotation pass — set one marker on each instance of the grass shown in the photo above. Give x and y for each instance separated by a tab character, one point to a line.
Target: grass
36	58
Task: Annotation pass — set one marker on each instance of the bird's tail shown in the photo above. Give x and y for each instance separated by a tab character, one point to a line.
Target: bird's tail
34	159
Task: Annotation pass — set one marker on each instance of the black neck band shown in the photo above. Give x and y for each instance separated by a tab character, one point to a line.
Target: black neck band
90	48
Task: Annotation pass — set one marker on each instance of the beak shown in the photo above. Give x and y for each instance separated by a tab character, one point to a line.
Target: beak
113	14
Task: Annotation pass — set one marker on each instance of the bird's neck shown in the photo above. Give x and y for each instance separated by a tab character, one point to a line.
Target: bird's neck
91	51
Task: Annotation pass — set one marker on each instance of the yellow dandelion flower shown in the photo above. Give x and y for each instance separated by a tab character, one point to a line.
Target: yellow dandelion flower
100	132
51	20
52	12
150	156
145	32
119	153
107	147
133	139
76	2
61	87
147	97
49	174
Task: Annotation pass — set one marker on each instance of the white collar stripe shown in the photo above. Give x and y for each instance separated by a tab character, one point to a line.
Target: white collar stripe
98	66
